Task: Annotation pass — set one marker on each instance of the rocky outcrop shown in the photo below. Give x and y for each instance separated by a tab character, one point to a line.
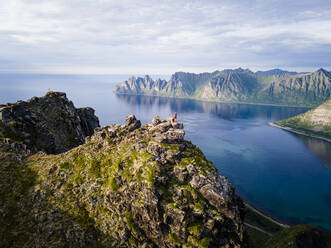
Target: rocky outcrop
126	186
239	85
51	123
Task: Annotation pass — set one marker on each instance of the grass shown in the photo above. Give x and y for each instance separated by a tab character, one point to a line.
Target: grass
256	219
256	239
304	236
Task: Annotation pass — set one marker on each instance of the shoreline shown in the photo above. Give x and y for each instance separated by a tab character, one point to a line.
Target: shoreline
216	101
298	132
266	216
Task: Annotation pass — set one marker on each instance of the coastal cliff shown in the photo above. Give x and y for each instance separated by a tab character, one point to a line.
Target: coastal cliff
126	186
238	85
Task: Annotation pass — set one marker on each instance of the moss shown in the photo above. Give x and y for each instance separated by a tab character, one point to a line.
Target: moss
130	222
95	168
113	184
108	139
173	238
79	160
195	229
66	165
151	174
204	243
139	175
14	123
15	200
132	241
79	179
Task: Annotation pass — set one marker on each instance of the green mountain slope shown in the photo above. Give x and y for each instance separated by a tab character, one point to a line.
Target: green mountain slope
302	236
316	122
239	85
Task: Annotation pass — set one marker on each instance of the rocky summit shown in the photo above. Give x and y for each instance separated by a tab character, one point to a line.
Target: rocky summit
51	123
126	186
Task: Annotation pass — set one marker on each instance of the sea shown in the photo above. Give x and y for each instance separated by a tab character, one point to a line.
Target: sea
285	175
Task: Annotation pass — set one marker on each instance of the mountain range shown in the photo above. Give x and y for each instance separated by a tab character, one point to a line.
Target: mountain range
238	85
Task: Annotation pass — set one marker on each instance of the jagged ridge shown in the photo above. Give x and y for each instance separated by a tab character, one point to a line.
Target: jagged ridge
239	85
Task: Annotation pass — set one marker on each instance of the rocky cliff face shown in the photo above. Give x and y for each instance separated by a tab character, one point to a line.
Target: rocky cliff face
126	186
145	85
239	85
300	89
231	85
50	123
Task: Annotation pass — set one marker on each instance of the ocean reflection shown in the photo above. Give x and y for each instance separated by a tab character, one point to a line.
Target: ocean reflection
319	147
230	111
227	111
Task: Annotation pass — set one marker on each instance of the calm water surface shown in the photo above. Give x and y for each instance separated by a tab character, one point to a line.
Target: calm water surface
286	175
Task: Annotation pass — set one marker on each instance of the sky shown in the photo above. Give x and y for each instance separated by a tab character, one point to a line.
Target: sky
163	36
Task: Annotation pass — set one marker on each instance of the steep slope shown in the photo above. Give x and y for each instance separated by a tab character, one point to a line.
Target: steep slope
231	85
316	122
312	88
269	87
127	186
50	123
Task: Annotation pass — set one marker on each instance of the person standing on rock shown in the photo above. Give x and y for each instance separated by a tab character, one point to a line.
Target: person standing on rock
175	117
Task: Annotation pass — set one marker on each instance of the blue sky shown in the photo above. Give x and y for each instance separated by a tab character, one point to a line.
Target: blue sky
161	37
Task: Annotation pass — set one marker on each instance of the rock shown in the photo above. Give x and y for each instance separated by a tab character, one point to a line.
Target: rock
51	123
131	123
156	120
127	186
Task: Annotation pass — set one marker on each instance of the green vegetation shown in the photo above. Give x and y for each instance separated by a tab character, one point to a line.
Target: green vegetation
16	181
254	218
256	239
305	123
300	236
173	237
195	229
66	165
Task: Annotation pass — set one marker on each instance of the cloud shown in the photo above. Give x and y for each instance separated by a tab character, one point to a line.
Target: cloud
107	36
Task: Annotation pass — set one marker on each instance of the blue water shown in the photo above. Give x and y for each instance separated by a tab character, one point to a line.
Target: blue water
286	175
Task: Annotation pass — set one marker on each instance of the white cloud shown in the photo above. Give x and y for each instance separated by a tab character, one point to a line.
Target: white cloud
163	35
